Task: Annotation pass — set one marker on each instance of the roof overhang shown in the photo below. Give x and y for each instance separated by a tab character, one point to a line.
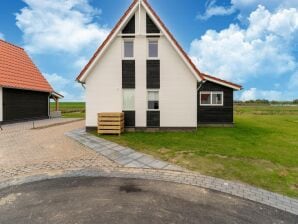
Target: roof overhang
124	19
56	95
93	61
221	82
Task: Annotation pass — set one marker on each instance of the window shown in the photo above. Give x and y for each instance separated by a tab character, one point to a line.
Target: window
153	49
128	49
128	100
211	98
153	100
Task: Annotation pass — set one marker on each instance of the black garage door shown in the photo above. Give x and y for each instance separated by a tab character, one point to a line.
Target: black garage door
23	105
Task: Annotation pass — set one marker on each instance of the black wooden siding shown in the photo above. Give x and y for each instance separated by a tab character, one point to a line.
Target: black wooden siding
130	27
153	74
150	26
129	119
153	119
128	74
24	105
216	114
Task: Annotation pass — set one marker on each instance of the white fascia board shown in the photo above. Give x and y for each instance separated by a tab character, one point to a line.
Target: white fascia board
172	43
115	34
222	83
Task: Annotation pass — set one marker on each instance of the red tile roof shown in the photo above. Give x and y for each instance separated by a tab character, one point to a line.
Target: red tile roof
18	71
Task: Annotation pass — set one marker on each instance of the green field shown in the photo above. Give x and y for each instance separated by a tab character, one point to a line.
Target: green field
71	109
262	149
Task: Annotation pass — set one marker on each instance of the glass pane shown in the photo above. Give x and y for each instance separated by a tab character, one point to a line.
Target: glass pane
217	98
153	96
128	100
128	49
153	49
205	98
153	105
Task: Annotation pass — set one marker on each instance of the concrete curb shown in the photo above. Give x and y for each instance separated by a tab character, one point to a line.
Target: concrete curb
236	189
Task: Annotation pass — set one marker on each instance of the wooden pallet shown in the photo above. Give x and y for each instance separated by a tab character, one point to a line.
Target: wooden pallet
110	123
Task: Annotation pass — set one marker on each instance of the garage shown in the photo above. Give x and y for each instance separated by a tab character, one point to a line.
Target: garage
24	104
24	91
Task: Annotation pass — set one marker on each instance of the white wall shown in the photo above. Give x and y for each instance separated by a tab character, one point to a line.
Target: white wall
178	89
1	104
104	84
178	95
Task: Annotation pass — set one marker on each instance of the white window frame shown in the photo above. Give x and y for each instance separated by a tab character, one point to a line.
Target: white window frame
123	49
153	90
148	44
211	93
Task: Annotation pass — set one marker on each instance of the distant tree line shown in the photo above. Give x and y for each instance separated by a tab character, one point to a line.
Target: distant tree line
265	102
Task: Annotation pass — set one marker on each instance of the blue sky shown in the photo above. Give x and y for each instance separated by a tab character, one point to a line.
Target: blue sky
250	42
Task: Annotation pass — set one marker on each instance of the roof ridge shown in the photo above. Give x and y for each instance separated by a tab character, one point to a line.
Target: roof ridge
4	41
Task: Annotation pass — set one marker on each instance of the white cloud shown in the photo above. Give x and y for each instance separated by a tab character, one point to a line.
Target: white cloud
263	49
245	7
71	90
2	36
59	25
56	81
254	94
293	84
81	62
214	10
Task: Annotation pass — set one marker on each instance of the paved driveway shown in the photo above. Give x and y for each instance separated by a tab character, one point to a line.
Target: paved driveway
24	148
28	155
126	201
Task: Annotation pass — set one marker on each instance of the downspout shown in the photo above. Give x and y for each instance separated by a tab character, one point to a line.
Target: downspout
201	84
49	106
198	89
140	17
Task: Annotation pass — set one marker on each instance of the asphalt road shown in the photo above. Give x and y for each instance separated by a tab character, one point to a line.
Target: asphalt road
125	201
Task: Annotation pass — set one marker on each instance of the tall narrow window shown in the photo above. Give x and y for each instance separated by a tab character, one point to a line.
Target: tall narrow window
128	100
128	49
153	49
153	100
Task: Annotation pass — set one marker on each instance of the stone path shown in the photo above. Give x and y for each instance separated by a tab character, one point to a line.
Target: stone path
124	156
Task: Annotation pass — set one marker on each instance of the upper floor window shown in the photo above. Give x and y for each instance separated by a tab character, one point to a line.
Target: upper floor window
128	49
211	98
153	49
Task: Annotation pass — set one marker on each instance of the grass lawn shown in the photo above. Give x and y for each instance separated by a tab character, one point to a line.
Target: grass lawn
262	149
71	109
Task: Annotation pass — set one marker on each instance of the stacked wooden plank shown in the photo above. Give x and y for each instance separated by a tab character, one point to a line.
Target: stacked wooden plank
110	123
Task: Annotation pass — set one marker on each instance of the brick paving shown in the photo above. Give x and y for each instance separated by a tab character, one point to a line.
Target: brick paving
22	146
28	155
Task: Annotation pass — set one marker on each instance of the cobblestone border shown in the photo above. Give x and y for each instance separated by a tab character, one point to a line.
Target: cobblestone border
123	156
236	189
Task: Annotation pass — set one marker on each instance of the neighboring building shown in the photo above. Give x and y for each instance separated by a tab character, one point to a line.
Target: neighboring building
140	69
24	92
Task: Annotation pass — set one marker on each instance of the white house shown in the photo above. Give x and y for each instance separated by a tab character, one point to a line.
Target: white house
141	69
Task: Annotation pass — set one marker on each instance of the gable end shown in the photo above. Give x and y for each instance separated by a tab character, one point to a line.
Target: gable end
130	28
150	25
